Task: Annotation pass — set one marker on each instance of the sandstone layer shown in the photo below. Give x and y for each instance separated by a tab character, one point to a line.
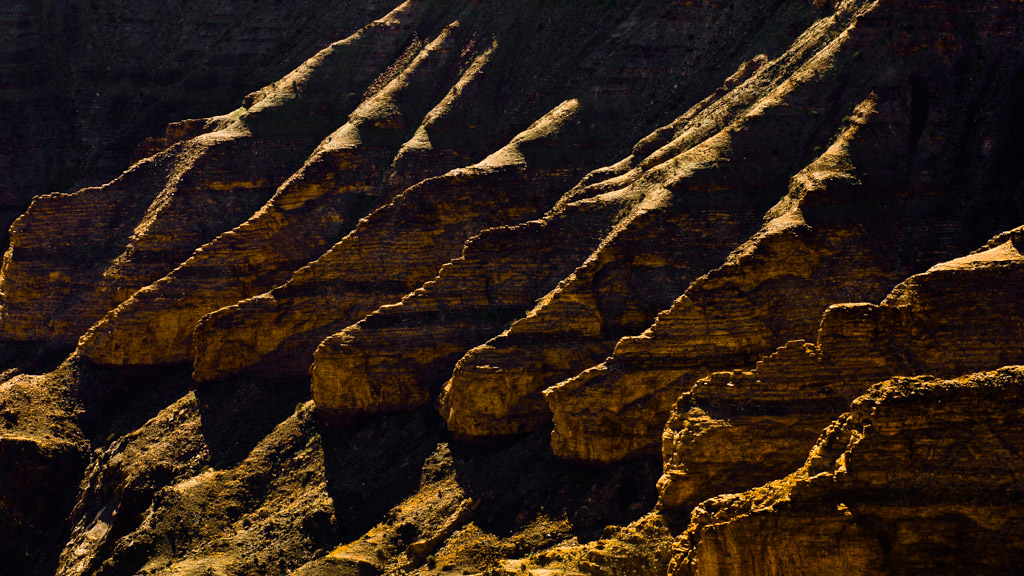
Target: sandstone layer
57	267
84	84
396	357
339	183
707	181
921	475
736	430
399	357
481	111
576	230
831	239
276	333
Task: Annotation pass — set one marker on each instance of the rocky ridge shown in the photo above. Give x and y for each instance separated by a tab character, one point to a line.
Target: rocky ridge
561	227
735	430
88	88
884	490
827	241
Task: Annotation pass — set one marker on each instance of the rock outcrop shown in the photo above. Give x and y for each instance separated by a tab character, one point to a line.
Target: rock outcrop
388	254
830	240
706	179
396	358
59	269
736	430
42	456
84	84
340	183
921	475
498	94
578	230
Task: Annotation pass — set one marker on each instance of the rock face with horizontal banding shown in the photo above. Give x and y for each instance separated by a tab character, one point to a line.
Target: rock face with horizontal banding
887	488
736	430
276	333
57	268
340	183
648	288
841	234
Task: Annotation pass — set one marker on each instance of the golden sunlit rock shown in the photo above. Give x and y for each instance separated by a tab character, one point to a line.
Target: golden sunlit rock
453	287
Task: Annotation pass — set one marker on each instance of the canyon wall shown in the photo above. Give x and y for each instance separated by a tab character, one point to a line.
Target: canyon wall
562	287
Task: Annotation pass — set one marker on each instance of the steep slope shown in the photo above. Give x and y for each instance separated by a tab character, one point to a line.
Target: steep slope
922	475
891	196
707	189
503	89
736	430
84	84
578	231
315	207
58	267
394	358
276	333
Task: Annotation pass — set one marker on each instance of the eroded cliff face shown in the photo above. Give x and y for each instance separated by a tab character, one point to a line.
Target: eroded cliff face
89	87
735	430
922	474
856	220
495	257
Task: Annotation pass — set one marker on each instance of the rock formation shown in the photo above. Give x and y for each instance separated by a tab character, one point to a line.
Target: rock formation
921	475
736	430
415	343
84	85
42	456
431	302
425	226
315	207
829	240
58	268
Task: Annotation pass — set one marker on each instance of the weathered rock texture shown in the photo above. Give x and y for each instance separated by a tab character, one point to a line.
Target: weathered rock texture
42	456
83	84
419	119
394	360
736	430
546	221
878	205
705	191
58	268
396	357
389	253
922	475
318	205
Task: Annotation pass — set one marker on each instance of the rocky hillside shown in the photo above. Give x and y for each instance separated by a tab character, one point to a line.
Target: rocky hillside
592	288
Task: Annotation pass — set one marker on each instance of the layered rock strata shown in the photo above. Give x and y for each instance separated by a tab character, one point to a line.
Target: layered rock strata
313	209
399	356
921	475
707	178
414	248
830	240
396	357
57	267
736	430
484	108
388	254
83	84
